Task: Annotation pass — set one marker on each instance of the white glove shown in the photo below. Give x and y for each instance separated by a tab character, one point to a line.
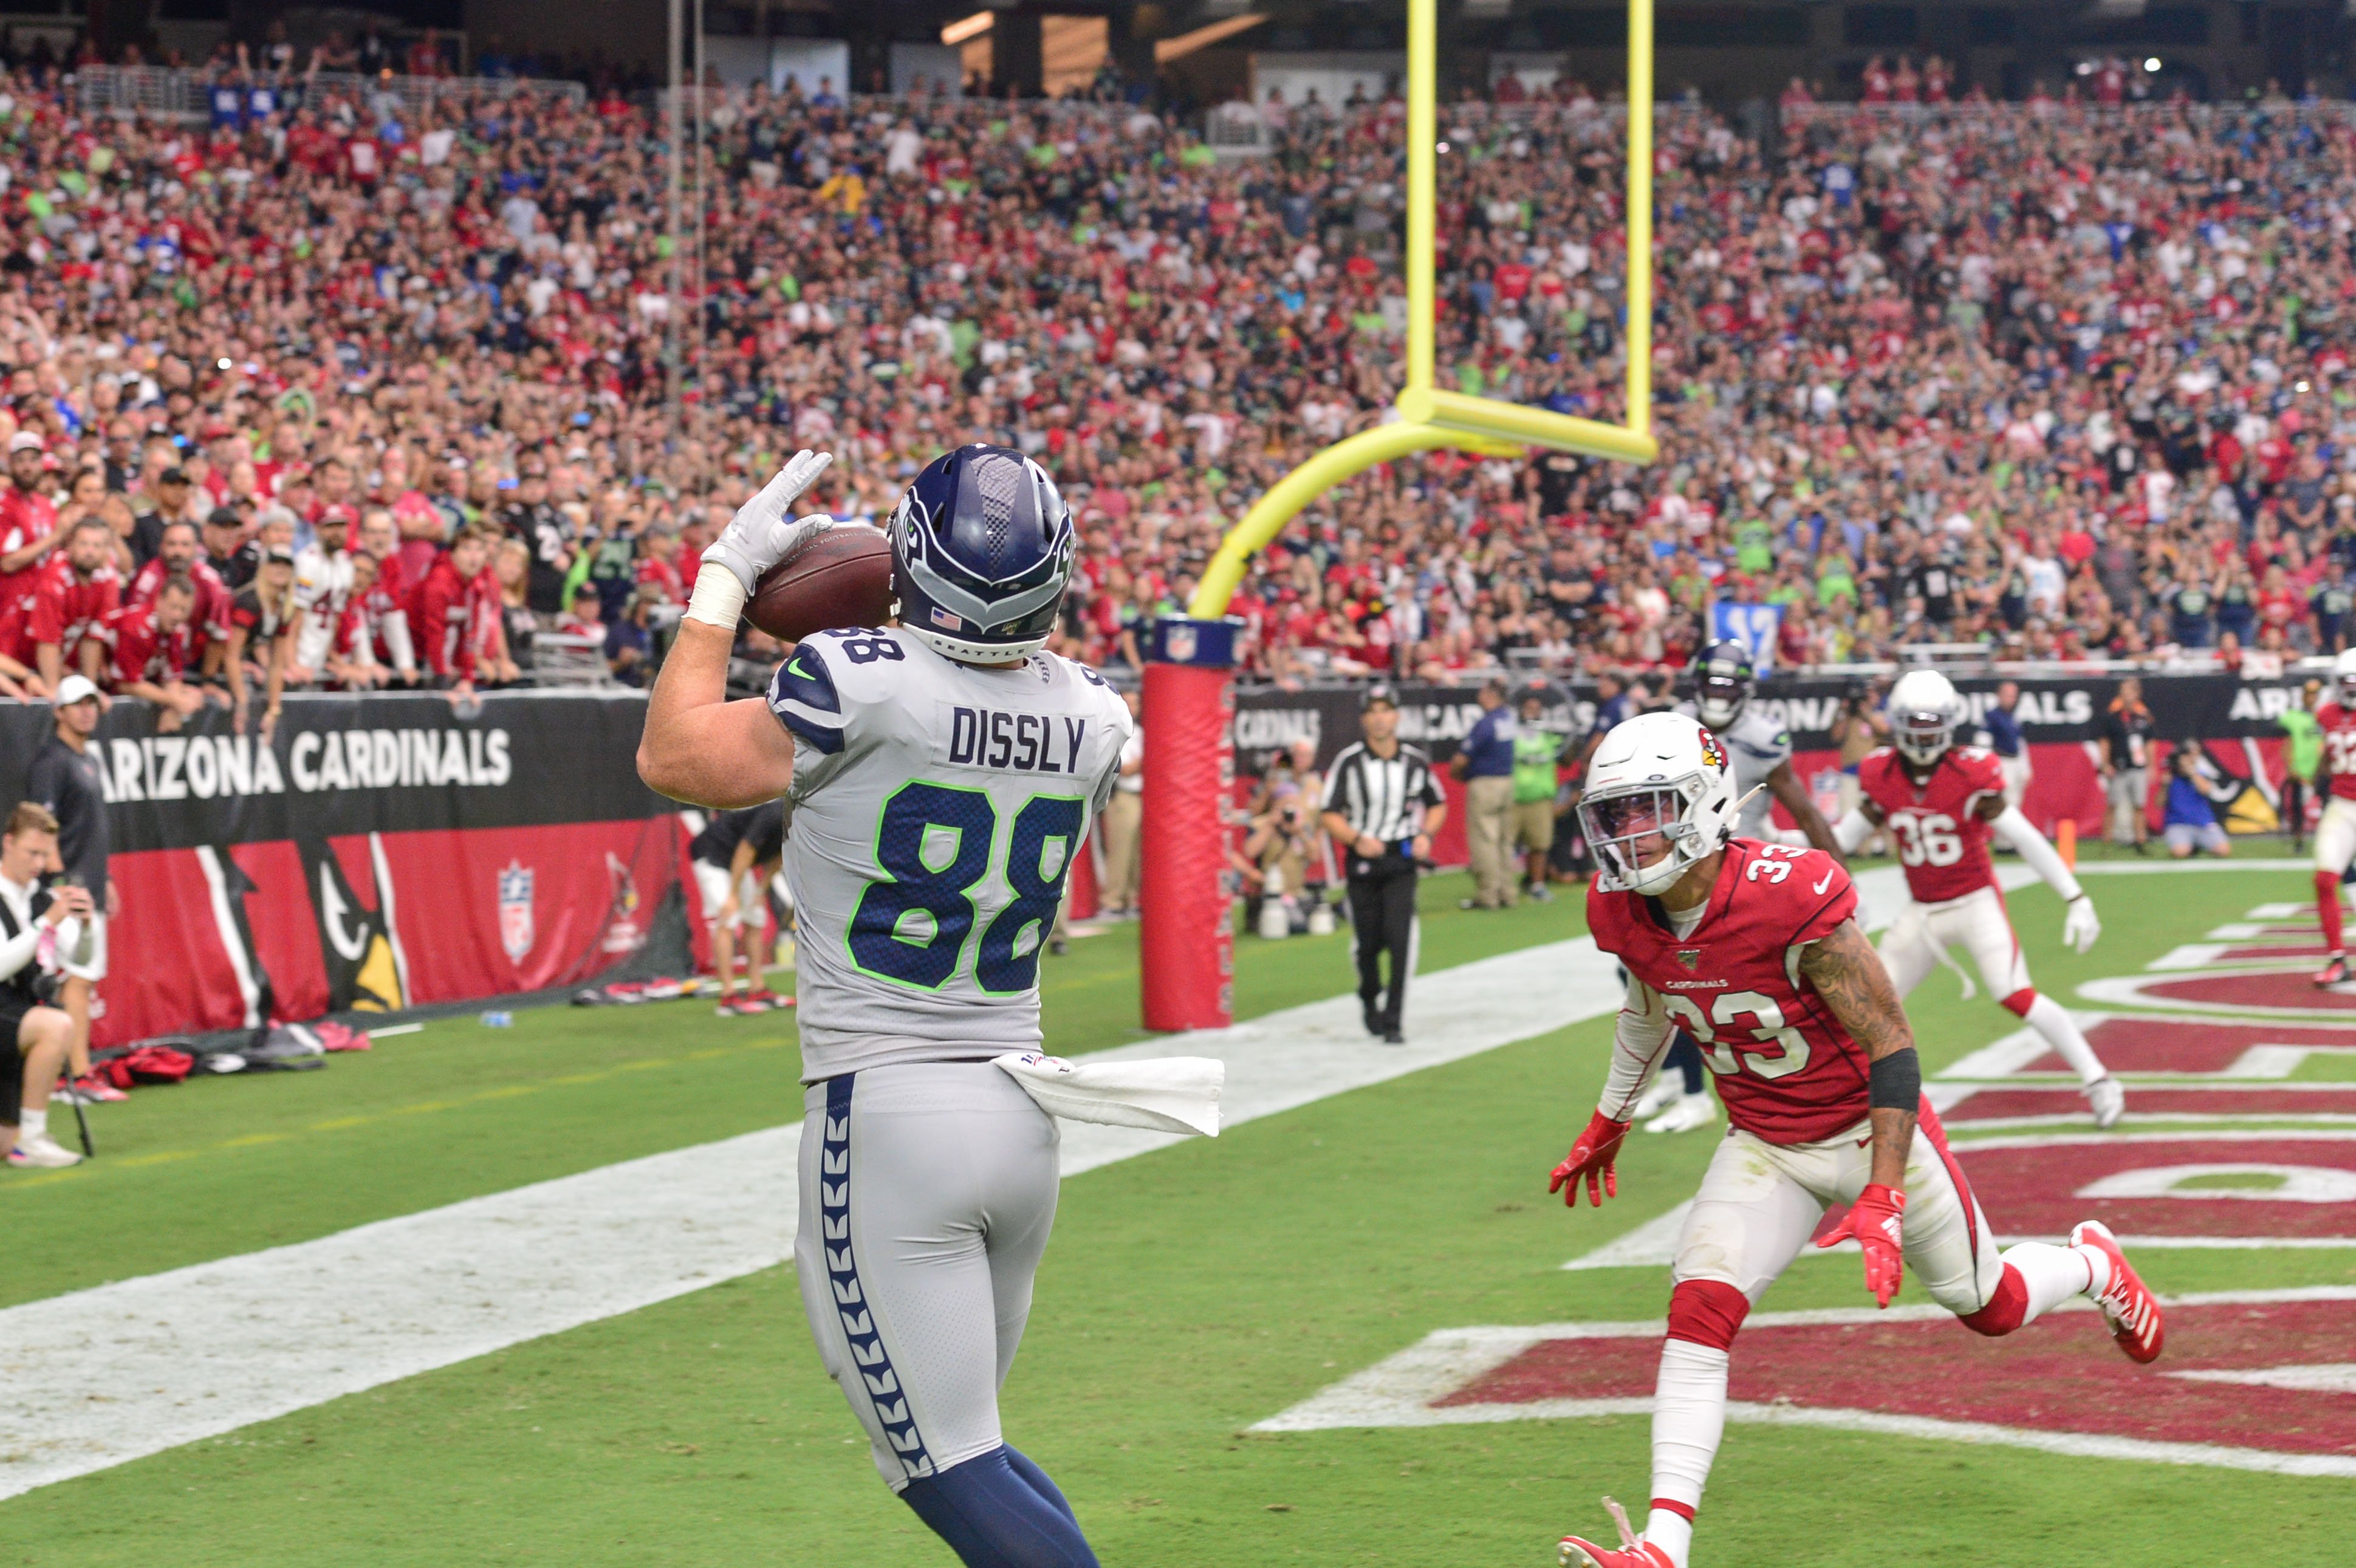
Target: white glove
2079	926
761	534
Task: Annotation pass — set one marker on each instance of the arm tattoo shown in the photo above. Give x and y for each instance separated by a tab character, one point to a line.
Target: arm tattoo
1847	973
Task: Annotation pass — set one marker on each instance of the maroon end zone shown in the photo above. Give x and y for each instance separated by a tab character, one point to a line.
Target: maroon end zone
2195	1045
2259	993
2030	1187
2309	949
2060	1374
2292	1099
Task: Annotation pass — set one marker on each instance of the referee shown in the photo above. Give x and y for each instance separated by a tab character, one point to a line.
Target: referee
1383	803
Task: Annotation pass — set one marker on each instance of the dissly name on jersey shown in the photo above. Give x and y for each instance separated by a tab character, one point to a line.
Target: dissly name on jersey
1021	743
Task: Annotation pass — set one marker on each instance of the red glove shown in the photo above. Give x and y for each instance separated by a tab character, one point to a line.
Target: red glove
1875	1221
1590	1157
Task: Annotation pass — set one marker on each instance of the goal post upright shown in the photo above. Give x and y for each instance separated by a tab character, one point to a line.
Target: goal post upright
1187	981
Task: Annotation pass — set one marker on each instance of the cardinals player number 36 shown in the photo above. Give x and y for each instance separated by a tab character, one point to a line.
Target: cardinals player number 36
1943	802
1754	949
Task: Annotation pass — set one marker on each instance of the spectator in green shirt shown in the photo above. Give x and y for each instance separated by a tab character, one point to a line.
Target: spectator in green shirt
1535	753
2304	757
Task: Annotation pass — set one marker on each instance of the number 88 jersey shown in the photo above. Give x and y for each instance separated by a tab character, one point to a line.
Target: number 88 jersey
1786	1068
1940	839
935	809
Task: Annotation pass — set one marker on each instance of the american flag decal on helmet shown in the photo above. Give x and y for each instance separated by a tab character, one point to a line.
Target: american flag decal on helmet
949	618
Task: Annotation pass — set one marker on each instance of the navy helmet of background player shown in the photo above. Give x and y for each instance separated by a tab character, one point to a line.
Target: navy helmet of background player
1759	749
981	548
1723	681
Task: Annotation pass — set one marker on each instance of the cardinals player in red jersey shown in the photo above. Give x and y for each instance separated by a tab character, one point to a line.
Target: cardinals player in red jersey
1943	802
2335	830
1754	950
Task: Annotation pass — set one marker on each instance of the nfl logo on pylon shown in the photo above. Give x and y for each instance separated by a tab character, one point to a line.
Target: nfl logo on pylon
515	910
1179	643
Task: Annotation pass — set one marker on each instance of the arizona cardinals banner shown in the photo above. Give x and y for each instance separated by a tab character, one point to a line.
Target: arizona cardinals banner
2059	719
379	852
2206	707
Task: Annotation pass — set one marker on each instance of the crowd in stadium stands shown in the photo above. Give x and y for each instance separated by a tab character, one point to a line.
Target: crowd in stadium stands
334	392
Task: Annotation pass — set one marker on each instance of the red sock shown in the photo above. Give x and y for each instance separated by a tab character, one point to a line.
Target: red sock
2326	908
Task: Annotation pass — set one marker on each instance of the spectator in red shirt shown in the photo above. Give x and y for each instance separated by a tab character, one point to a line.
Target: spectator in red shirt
28	524
180	554
374	635
67	622
155	646
443	608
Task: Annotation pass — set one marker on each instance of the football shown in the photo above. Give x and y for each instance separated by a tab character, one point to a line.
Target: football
841	578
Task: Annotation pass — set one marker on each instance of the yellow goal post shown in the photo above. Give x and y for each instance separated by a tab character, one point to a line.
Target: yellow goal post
1427	416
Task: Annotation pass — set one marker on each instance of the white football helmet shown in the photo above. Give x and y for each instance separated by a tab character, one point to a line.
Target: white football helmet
2343	679
1656	778
1925	710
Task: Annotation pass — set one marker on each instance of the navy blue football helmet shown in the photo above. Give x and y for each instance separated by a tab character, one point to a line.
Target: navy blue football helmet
981	550
1723	681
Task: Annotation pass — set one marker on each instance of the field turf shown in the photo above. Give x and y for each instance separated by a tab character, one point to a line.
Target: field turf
1188	1294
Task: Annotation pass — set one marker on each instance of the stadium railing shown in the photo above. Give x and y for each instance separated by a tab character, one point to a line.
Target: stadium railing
162	92
2199	116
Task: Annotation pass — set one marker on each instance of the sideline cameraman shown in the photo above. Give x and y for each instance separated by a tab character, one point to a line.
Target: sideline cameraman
34	1035
1859	728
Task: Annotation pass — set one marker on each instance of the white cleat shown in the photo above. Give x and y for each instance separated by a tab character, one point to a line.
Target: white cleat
1666	1090
1691	1110
43	1152
2110	1100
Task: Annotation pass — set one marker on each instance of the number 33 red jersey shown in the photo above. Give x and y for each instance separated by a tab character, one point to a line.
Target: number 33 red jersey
1941	842
1786	1068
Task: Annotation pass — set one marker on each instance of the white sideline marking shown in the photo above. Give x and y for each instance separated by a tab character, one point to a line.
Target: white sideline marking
111	1374
1400	1391
2323	1377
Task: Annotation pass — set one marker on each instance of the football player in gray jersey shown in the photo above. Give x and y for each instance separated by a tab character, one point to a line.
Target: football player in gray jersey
943	772
1758	752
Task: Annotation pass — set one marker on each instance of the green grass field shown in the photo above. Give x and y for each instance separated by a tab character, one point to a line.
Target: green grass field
1188	1294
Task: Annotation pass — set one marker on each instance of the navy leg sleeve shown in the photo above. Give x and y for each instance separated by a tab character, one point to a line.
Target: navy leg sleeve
992	1516
1685	1057
1036	1479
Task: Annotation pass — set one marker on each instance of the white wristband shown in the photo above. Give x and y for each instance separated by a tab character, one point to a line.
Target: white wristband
718	599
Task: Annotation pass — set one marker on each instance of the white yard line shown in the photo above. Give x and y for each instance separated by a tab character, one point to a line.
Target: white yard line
1401	1391
107	1375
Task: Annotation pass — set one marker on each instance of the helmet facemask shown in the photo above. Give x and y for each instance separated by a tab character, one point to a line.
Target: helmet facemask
1923	737
1619	825
1718	700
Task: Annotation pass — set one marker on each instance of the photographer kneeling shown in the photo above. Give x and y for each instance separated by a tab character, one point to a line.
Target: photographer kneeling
34	1034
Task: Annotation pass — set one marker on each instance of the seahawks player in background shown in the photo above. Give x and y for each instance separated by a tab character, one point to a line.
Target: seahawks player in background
1759	750
942	771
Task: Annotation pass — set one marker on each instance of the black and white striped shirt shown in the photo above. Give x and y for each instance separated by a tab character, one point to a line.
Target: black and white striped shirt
1384	798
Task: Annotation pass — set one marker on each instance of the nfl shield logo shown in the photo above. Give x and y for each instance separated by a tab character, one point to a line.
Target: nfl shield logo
515	910
1180	644
1690	958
